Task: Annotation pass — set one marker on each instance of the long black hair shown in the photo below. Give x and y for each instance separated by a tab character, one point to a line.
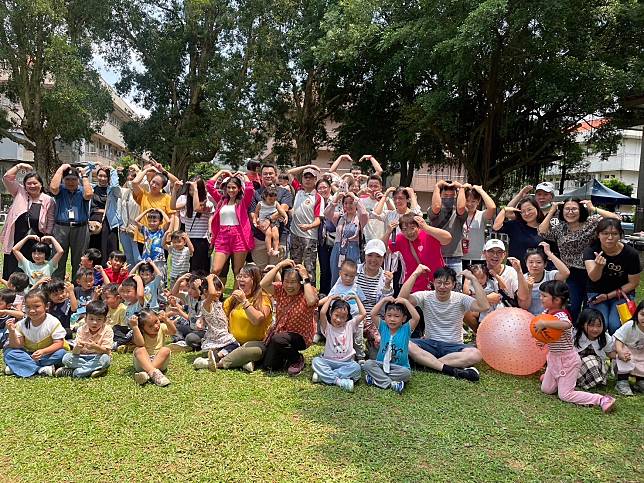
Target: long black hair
201	191
586	316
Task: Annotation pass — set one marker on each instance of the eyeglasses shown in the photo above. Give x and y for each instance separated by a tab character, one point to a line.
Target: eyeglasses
609	234
571	210
443	283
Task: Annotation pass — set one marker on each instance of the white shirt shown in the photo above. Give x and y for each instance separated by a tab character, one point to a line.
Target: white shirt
228	216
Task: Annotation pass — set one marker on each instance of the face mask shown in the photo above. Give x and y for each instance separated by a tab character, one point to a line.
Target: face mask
448	203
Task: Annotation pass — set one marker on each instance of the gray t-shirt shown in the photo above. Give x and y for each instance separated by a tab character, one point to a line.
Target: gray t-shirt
536	307
443	320
452	222
474	231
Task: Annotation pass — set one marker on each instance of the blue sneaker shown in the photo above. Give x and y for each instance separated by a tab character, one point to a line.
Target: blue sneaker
398	386
369	380
345	384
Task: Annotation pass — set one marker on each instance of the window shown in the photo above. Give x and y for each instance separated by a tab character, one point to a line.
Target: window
91	148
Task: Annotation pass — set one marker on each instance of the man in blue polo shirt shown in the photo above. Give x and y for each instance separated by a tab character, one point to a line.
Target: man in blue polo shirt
72	215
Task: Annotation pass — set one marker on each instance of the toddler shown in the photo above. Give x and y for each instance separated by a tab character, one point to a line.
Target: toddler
18	282
391	368
7	312
152	279
117	269
180	249
629	344
594	346
563	361
151	358
37	342
116	315
132	293
217	340
40	266
336	366
189	326
91	355
91	260
265	209
153	235
62	302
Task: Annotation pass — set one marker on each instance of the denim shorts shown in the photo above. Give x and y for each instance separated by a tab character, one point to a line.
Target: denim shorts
439	348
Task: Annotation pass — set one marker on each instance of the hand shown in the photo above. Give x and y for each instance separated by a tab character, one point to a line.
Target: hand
400	300
77	348
420	220
263	225
173	301
554	206
287	263
82	171
177	184
625	355
602	297
599	258
378	195
350	296
512	208
494	298
26	166
388	298
390	190
125	268
33	237
466	186
133	322
65	166
388	276
468	275
546	248
393	225
516	264
239	296
305	226
11	325
37	355
301	269
525	190
539	326
530	281
589	205
420	269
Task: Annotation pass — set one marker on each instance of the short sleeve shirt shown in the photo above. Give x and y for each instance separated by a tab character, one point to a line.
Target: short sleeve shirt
153	344
306	208
42	336
452	222
240	325
103	337
617	269
146	201
428	250
292	314
284	197
36	272
66	201
399	344
339	342
630	335
444	320
153	248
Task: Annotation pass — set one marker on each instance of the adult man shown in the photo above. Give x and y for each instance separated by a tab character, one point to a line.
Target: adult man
285	199
494	253
72	215
441	348
308	207
544	194
375	228
448	212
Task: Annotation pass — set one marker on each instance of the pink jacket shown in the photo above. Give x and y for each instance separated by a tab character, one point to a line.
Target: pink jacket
242	214
19	206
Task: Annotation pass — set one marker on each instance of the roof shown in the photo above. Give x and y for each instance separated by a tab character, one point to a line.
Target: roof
600	194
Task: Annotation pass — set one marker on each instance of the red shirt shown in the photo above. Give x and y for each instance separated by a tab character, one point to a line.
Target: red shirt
428	250
118	278
292	314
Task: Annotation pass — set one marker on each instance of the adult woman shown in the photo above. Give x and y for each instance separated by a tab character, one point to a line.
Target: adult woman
575	231
194	217
536	259
249	312
155	198
613	269
104	215
32	211
405	201
349	224
523	231
296	302
230	226
474	225
326	238
129	210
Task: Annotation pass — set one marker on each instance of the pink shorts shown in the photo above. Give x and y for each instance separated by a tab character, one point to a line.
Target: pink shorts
230	240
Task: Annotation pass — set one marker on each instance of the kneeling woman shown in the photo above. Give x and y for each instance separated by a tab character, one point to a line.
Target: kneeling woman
295	325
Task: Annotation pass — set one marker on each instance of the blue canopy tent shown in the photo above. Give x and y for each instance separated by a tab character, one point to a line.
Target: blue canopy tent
599	195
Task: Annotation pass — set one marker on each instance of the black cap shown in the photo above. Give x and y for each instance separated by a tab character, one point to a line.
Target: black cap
70	172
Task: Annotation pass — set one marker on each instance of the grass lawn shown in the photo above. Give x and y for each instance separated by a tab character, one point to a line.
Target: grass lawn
231	425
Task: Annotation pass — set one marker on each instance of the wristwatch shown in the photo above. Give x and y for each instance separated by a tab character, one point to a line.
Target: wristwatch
306	280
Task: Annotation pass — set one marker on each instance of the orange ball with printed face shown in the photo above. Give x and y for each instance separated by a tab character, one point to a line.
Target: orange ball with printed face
546	335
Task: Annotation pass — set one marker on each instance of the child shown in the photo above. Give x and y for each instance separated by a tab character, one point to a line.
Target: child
629	343
62	302
266	208
116	315
133	294
346	287
117	269
563	361
150	357
91	355
594	347
153	235
84	292
391	367
91	260
39	267
491	288
189	328
217	340
37	342
18	282
336	366
180	249
7	312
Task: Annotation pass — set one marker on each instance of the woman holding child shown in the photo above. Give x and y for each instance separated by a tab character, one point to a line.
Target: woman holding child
155	198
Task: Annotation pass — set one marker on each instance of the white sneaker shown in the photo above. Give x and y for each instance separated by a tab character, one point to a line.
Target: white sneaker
345	384
47	371
180	346
200	363
141	377
315	378
249	367
159	378
8	371
212	361
624	388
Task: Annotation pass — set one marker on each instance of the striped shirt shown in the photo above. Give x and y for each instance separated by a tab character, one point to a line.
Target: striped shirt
443	320
564	344
196	226
180	261
373	289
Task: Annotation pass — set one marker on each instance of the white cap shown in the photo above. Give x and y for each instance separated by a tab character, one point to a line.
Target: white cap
375	246
493	243
545	186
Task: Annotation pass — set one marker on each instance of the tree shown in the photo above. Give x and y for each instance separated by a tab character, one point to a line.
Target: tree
619	186
196	77
497	86
54	94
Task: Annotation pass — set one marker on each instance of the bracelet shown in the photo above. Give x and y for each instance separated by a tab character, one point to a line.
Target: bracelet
246	305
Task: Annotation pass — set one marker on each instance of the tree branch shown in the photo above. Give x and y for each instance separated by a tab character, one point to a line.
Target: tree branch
17	139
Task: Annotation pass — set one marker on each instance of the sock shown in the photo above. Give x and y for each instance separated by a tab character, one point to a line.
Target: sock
449	370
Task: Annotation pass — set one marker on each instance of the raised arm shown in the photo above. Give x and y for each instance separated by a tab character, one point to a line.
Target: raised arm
375	311
563	272
460	199
595	268
490	205
525	191
443	236
54	184
175	194
330	212
524	292
544	226
57	248
437	203
267	281
377	169
415	317
377	210
137	190
405	290
9	178
481	303
140	288
501	217
604	213
18	246
88	191
325	310
337	162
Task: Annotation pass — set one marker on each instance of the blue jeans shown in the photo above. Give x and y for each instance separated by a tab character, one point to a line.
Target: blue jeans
85	364
330	370
130	248
22	365
455	263
577	285
438	348
353	253
609	310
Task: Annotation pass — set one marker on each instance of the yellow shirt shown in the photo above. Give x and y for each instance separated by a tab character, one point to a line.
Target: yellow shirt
161	202
240	325
153	344
117	316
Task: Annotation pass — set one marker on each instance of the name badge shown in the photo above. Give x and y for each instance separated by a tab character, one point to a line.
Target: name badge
70	215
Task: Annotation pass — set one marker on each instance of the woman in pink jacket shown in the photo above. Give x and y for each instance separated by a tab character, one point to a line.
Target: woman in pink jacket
230	225
32	213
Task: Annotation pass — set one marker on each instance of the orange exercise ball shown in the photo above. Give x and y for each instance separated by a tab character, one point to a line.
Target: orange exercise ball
506	344
546	335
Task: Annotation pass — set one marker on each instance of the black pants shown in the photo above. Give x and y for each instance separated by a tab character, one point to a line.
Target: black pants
283	350
107	241
122	335
200	261
324	256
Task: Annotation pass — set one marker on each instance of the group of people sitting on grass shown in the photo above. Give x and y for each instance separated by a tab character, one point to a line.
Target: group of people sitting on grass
394	285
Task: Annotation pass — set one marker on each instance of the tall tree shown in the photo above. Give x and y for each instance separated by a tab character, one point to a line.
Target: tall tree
497	86
53	92
193	70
